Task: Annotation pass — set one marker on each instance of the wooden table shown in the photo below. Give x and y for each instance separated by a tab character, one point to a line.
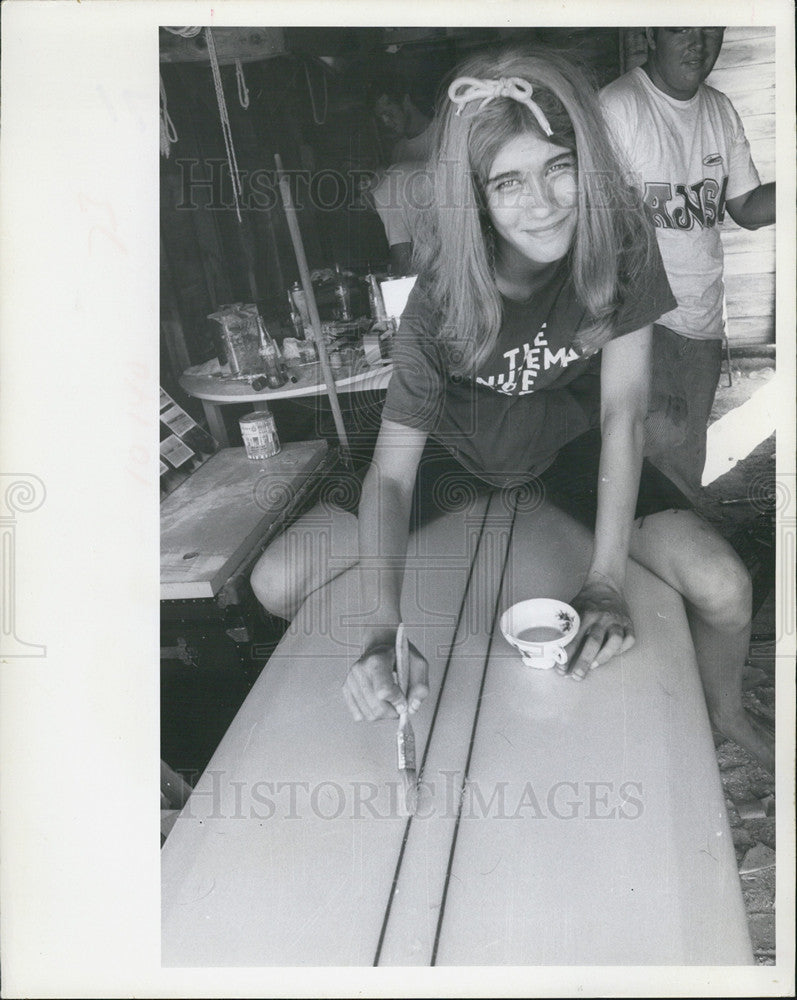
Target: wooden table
215	391
560	823
229	506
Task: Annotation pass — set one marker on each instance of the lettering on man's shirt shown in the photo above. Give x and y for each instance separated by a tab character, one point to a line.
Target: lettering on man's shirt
700	204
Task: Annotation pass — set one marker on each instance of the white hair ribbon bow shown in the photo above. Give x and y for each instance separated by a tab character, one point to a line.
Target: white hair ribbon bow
467	88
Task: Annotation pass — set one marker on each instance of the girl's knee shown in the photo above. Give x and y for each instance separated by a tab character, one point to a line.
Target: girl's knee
270	584
261	582
719	586
313	551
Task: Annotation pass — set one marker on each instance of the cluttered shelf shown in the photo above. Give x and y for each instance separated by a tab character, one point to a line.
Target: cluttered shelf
212	382
257	363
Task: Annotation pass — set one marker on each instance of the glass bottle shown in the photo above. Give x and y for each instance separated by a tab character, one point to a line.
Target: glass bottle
375	300
342	295
300	304
296	319
269	352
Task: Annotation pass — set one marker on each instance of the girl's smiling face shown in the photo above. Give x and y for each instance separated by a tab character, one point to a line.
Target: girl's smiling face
532	200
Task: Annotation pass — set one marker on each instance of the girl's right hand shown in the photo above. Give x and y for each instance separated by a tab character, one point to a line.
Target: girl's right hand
370	689
606	628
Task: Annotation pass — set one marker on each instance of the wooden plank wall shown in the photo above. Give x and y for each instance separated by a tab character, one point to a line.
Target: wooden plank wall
745	71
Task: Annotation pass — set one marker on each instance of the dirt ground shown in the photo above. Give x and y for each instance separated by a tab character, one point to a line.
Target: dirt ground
748	521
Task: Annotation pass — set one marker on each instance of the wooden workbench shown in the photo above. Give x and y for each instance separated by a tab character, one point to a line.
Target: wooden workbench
213	520
560	823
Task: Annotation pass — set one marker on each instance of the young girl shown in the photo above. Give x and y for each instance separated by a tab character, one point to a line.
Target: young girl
524	354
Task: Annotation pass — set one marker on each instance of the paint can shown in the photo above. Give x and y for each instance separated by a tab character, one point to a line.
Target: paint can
259	433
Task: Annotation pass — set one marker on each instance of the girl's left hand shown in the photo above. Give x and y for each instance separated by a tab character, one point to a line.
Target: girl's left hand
606	628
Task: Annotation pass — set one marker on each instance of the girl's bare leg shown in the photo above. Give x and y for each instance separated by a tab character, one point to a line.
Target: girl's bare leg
689	555
321	545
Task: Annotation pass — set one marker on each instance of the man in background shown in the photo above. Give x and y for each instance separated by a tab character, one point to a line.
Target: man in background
686	145
395	107
401	193
400	196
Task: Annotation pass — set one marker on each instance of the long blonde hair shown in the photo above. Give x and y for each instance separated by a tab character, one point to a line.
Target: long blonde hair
613	238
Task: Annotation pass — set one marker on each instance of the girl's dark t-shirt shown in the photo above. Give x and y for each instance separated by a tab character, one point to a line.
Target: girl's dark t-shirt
532	395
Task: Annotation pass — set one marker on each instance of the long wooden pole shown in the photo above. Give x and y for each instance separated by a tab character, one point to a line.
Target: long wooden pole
312	307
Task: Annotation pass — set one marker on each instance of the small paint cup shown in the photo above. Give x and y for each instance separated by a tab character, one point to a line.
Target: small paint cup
539	629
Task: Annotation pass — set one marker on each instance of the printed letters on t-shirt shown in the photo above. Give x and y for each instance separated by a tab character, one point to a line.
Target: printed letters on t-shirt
701	204
525	363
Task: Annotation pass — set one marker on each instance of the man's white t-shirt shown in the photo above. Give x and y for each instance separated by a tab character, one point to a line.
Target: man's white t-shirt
689	158
416	148
401	197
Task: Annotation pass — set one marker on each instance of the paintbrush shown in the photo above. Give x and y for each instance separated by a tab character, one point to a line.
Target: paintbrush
405	737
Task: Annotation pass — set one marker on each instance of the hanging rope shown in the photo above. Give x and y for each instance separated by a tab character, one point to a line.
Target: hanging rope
243	92
168	131
323	118
225	122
